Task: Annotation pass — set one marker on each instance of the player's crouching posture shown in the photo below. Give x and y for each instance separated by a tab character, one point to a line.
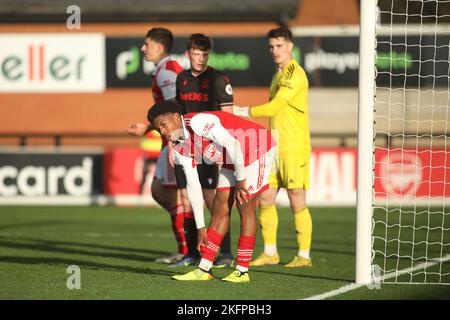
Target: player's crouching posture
244	151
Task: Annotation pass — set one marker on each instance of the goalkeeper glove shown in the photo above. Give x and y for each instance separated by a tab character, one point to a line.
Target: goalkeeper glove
241	111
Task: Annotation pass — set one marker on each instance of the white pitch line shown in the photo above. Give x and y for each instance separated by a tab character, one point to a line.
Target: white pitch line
354	286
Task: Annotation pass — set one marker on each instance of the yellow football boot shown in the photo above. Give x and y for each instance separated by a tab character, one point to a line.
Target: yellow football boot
195	275
264	260
237	276
299	262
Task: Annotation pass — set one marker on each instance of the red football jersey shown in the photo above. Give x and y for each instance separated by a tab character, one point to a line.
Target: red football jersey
207	133
164	79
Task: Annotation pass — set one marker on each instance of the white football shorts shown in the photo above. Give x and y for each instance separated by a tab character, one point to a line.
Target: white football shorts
257	175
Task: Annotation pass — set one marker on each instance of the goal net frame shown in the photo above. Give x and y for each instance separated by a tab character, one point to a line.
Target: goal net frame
366	268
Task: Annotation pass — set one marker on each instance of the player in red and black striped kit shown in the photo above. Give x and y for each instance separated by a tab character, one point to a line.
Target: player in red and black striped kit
202	88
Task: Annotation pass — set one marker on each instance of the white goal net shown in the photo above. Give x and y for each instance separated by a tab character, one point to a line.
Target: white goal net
411	154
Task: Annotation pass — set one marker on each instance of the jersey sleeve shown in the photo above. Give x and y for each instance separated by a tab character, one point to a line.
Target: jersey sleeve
193	187
268	109
166	81
210	127
224	91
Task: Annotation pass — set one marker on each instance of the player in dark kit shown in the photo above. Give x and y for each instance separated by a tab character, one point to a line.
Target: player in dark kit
199	89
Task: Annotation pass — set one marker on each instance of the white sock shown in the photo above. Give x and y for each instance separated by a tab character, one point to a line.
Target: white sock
270	249
205	264
303	253
241	268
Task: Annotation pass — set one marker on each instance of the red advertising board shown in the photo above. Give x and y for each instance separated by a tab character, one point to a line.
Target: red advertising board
407	173
412	173
123	172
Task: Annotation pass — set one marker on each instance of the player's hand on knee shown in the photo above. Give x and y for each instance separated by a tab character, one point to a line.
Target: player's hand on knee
202	238
242	193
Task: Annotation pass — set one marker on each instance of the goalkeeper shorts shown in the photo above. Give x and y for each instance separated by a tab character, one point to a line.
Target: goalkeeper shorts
290	173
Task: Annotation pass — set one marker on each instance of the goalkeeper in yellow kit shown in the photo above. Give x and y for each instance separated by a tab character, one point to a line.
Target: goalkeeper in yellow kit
288	116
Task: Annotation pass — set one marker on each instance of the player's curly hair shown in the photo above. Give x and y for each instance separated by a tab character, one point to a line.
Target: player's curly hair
163	107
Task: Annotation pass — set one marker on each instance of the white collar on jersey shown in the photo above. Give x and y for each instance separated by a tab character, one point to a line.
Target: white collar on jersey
160	63
186	133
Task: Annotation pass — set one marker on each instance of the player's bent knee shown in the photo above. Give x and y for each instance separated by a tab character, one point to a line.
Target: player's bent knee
172	196
267	198
248	208
297	198
158	193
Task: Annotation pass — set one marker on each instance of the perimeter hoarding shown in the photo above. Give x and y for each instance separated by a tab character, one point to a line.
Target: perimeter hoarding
49	174
402	177
52	62
329	61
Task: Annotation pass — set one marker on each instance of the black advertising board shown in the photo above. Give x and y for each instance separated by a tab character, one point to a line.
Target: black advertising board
246	61
401	62
329	61
50	174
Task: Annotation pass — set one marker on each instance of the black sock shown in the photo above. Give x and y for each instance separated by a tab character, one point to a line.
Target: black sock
190	229
226	244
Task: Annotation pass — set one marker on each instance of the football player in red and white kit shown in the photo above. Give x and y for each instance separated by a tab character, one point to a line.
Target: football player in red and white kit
157	45
244	151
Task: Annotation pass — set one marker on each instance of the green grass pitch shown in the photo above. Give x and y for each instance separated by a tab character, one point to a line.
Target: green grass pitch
115	249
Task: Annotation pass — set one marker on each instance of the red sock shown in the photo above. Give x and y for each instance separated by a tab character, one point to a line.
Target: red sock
244	251
177	217
189	215
214	241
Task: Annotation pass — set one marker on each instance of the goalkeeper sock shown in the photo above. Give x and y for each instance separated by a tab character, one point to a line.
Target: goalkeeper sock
209	252
190	230
177	217
268	219
244	252
303	227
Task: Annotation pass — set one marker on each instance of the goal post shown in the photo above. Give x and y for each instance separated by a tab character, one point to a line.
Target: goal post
403	184
366	101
